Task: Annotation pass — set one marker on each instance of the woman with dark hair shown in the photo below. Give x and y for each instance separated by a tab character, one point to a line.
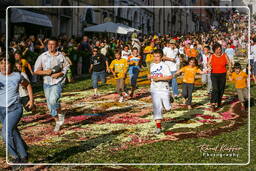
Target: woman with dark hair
25	67
10	81
218	64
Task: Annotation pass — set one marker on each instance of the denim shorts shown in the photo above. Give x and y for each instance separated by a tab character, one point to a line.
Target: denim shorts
98	76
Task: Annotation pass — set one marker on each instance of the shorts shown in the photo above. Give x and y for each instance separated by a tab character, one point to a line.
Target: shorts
120	85
242	94
96	76
160	99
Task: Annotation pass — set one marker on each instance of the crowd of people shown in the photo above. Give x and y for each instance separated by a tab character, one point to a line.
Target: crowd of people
164	57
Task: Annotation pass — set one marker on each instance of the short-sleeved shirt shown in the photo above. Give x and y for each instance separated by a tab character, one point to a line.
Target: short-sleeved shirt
230	52
99	63
125	54
23	92
189	74
46	61
149	57
159	70
24	64
120	67
12	86
171	53
240	79
134	60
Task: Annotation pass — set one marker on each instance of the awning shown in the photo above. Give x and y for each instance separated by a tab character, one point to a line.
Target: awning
24	16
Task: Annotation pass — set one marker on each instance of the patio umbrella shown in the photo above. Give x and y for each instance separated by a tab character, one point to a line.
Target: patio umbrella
108	27
130	29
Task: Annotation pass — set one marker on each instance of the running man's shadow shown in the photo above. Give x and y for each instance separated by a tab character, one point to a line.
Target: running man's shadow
188	115
84	146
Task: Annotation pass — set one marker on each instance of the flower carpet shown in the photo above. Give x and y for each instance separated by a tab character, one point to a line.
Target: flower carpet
103	125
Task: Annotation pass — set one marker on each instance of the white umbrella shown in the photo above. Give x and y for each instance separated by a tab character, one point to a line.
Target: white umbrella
109	27
130	29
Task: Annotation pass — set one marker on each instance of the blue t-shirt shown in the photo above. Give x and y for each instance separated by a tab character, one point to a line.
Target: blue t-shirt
230	52
12	86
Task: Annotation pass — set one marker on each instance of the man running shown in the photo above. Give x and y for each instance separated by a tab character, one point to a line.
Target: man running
53	66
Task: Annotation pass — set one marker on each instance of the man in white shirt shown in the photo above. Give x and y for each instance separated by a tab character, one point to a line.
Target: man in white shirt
53	66
171	59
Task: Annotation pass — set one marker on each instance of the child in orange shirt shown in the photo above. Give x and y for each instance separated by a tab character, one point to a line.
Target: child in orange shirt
239	77
190	72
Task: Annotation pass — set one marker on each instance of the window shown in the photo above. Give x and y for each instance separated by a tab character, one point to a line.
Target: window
46	2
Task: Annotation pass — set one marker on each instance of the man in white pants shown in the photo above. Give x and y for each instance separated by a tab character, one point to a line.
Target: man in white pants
159	75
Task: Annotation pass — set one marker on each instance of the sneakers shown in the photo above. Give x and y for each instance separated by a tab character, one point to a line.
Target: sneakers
121	99
61	118
57	126
158	131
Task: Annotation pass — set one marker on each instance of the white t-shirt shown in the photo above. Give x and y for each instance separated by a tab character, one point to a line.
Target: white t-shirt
253	53
171	53
159	70
125	54
205	61
23	92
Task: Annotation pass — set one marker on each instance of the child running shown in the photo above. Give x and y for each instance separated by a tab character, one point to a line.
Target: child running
134	62
239	77
119	67
160	91
190	72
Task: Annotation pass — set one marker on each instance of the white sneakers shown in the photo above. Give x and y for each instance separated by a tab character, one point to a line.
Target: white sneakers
158	131
121	99
59	122
57	126
61	118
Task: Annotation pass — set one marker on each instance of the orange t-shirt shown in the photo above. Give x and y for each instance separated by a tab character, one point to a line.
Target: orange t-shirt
189	74
240	79
188	51
219	63
193	53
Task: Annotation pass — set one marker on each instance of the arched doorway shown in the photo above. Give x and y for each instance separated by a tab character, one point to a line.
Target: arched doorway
135	19
168	23
88	16
65	18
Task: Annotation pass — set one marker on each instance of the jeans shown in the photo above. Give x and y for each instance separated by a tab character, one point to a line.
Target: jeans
14	141
53	95
206	79
96	76
187	90
134	73
173	83
218	87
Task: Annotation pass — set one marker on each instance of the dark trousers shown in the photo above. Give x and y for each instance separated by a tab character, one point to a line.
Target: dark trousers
218	87
187	90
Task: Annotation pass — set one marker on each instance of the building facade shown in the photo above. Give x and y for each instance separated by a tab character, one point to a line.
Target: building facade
70	21
139	18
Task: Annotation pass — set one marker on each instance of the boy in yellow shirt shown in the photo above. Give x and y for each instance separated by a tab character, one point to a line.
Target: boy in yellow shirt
119	67
190	72
239	77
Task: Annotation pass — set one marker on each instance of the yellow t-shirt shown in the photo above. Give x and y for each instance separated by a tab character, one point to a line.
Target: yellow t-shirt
240	79
24	64
149	57
189	74
120	67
